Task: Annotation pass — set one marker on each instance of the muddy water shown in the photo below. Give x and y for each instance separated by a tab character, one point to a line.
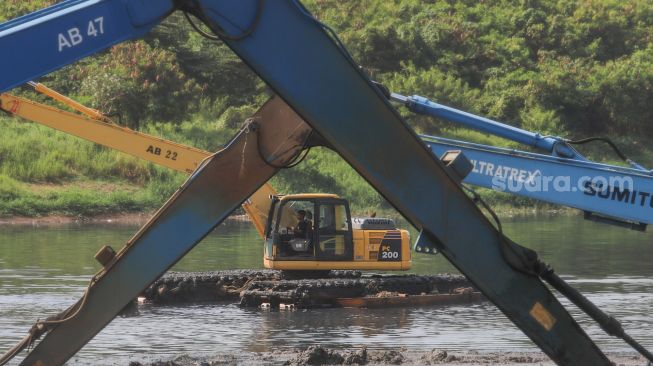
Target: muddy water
43	270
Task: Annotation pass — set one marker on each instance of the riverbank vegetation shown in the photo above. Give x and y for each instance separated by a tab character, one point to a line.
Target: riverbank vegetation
575	69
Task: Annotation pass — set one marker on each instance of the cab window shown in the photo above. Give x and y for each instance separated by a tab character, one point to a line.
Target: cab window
334	235
333	217
288	218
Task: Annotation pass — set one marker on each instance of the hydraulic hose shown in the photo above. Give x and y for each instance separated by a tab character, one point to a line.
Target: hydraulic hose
609	324
526	261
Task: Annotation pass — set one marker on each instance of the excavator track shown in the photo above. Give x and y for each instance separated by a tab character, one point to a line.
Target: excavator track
253	288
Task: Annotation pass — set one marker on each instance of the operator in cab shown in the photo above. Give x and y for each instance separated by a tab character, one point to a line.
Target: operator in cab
302	243
302	225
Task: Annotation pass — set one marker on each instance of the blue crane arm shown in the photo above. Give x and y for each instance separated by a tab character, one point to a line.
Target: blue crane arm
550	144
618	195
305	64
44	41
273	137
622	196
554	145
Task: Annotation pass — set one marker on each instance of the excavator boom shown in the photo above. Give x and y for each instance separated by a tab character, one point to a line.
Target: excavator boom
396	163
159	151
222	182
302	60
101	130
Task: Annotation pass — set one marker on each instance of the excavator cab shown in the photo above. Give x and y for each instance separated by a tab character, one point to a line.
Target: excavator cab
315	232
309	227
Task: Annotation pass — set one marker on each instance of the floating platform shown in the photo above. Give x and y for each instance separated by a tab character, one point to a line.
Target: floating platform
267	288
371	302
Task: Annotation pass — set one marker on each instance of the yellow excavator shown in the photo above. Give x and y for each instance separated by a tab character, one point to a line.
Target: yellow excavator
302	232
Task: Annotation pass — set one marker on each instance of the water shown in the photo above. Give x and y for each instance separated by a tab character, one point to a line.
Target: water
44	270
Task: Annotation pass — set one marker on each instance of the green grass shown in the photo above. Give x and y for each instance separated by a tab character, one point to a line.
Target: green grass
45	172
20	199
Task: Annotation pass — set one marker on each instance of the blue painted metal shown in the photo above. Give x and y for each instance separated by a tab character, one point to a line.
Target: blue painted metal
47	40
551	144
618	192
314	74
425	245
566	178
217	187
39	14
294	54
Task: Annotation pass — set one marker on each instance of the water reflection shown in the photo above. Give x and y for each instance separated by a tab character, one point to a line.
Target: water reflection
43	270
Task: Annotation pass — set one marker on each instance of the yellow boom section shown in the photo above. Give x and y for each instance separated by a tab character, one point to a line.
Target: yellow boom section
99	129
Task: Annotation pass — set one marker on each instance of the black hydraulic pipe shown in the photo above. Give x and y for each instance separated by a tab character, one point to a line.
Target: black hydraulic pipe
609	324
526	261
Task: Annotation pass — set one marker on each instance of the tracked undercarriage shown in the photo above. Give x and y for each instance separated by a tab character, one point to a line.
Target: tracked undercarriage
254	288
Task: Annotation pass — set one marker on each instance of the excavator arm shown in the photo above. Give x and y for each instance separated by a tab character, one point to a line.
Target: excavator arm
605	193
302	60
314	73
271	138
100	129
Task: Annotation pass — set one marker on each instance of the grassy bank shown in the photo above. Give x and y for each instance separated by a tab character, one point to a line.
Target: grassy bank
44	172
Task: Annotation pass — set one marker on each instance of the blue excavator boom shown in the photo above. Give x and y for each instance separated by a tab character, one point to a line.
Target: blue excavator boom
605	193
559	174
49	39
305	64
551	144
